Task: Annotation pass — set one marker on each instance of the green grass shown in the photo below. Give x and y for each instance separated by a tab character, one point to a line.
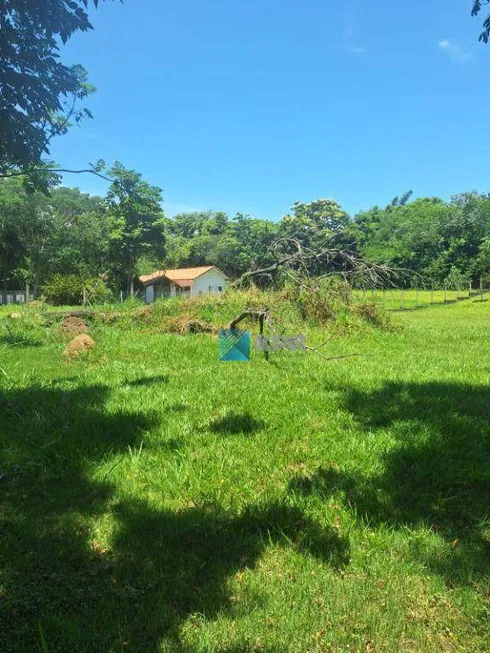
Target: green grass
156	499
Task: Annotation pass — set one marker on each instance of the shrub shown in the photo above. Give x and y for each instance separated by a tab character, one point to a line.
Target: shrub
64	289
67	290
456	280
374	315
97	291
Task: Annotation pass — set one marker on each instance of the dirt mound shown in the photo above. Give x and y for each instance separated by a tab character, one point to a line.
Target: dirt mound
79	345
72	326
141	314
144	312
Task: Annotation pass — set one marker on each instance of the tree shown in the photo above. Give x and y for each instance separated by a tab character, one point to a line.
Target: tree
39	95
428	235
62	232
137	222
477	7
313	224
36	229
11	205
482	262
314	221
80	239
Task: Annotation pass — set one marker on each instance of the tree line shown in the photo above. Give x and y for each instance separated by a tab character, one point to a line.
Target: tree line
53	236
67	234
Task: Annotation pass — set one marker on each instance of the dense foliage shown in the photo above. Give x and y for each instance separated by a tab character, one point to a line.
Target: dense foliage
67	232
39	95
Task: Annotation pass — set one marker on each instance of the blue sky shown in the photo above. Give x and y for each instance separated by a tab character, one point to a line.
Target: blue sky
250	106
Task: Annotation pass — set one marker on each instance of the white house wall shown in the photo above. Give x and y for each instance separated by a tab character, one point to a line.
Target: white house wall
149	294
212	278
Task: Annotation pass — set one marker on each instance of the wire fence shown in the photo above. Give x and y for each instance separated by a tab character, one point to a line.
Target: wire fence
400	299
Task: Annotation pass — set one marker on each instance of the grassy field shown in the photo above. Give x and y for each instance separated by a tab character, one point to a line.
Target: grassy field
155	499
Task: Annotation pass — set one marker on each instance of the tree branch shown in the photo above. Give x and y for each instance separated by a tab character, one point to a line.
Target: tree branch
289	256
7	175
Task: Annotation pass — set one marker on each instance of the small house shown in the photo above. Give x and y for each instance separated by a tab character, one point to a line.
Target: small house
185	282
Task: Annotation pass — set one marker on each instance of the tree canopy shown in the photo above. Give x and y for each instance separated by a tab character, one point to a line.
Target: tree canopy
39	94
477	7
126	234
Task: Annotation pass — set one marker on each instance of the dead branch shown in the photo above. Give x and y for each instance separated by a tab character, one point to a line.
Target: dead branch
257	315
291	258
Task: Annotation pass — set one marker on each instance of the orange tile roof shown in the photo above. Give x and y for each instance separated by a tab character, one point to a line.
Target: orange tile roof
182	283
144	278
187	273
179	275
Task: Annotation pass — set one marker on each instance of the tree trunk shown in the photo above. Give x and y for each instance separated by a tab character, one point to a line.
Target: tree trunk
35	291
4	284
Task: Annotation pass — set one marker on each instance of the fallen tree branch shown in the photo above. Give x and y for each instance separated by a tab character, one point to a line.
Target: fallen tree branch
258	315
290	257
263	316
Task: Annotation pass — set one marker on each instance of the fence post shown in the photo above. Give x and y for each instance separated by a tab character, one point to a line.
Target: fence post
364	293
384	299
471	288
416	297
121	296
445	293
481	288
432	294
401	300
84	296
27	293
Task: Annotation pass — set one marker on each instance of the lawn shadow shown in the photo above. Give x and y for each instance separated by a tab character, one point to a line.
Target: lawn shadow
179	563
148	380
236	423
18	340
437	474
163	565
50	438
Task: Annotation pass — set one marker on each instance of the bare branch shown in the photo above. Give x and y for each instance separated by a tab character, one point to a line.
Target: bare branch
290	257
20	173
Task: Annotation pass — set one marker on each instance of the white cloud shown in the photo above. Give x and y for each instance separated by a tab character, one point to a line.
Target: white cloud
454	51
